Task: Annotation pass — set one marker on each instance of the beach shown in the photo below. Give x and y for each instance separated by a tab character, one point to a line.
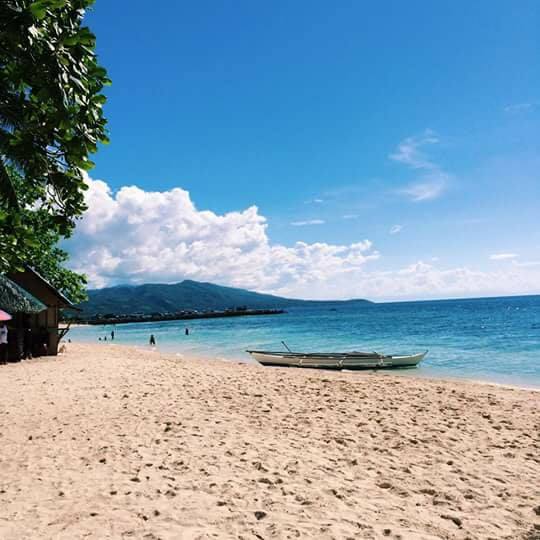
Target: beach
108	441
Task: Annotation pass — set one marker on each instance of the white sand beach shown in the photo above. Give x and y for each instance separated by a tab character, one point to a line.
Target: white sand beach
108	441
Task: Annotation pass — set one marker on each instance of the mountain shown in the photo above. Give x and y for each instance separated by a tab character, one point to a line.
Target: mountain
186	295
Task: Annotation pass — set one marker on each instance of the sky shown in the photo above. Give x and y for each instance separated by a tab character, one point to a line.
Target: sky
386	150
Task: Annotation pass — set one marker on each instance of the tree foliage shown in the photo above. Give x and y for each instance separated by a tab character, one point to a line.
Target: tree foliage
41	249
51	121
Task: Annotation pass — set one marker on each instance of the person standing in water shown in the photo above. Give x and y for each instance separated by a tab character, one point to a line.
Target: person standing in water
187	332
112	335
152	339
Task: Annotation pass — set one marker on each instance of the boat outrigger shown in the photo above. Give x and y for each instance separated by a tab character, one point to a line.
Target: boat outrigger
346	360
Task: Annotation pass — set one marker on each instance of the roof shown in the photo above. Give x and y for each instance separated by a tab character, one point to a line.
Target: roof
38	286
14	299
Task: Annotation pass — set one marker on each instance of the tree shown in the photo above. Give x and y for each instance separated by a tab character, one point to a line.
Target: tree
51	121
41	246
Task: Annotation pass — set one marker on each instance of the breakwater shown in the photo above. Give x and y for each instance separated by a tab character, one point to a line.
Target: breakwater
158	317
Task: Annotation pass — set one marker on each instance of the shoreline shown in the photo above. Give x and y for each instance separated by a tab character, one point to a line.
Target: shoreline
118	441
414	373
397	373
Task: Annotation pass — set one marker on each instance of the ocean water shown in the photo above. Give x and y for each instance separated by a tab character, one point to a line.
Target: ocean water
492	339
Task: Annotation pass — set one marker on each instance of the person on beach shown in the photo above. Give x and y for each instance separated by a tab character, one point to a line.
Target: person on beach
28	341
152	339
3	343
18	333
112	335
43	342
187	332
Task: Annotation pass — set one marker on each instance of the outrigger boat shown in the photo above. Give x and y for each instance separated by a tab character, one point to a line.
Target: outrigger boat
347	360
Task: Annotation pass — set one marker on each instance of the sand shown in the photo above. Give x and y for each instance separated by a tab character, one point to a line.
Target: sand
114	442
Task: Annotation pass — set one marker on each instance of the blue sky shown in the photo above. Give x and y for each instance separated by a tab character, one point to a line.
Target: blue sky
341	123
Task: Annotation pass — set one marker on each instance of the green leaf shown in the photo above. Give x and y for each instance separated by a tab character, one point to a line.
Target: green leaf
38	9
71	40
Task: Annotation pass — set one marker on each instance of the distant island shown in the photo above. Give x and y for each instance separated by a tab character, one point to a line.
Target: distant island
187	299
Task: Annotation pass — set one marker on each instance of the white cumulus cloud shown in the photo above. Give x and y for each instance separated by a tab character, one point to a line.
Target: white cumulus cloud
136	236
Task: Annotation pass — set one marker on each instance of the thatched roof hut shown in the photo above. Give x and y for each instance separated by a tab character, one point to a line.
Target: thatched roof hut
34	305
15	299
48	318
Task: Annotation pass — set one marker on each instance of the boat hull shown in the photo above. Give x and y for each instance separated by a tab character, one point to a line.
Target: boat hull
337	361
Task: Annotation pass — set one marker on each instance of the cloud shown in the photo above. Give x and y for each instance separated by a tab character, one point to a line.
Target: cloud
409	151
434	180
425	190
424	280
308	222
351	216
502	256
395	229
526	264
520	107
136	236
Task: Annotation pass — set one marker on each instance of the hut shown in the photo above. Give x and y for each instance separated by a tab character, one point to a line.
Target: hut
43	323
23	307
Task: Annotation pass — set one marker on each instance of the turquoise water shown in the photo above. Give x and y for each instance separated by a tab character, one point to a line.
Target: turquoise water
493	339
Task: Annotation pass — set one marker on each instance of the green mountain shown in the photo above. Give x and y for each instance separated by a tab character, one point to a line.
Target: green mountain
186	295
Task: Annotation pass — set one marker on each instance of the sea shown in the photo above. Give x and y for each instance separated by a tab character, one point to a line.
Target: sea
487	339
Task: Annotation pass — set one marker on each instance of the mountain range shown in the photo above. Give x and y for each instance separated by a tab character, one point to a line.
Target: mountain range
186	295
